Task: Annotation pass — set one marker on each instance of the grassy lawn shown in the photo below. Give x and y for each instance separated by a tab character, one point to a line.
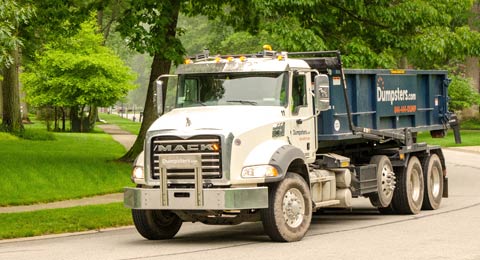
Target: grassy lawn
72	165
123	123
469	138
470	134
55	221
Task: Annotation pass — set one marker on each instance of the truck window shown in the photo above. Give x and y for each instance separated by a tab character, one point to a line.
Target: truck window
299	97
258	88
188	95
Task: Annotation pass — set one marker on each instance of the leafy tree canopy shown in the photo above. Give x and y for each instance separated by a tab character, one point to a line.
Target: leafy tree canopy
12	15
370	34
77	71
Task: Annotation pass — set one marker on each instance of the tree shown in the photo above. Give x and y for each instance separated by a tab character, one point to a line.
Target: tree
370	34
150	26
12	16
77	72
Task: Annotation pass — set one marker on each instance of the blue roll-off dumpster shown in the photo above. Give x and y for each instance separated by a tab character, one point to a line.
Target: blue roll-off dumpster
386	100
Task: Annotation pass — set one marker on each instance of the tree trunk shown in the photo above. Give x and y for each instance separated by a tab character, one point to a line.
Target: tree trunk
12	120
23	105
403	63
160	65
472	71
92	117
64	119
1	95
472	63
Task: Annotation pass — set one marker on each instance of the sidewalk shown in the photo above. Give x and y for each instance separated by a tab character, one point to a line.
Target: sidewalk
124	138
102	199
468	149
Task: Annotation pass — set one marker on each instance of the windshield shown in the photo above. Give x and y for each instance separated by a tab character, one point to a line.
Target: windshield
261	89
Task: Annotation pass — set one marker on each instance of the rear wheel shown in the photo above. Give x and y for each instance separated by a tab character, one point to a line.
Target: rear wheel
289	211
433	178
156	224
408	196
385	182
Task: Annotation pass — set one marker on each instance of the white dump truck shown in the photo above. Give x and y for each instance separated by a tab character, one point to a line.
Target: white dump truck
276	136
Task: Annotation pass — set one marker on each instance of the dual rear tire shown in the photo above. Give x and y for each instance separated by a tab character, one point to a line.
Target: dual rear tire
418	186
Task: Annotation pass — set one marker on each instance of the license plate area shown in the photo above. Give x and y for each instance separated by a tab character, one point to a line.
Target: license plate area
169	162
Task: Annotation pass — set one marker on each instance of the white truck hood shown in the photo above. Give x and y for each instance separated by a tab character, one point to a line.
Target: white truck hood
233	119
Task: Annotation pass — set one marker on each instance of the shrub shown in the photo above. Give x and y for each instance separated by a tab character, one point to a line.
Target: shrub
461	93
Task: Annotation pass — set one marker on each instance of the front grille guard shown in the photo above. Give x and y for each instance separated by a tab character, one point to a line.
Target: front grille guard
175	176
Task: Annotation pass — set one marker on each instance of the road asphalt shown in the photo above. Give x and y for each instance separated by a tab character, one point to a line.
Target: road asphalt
126	139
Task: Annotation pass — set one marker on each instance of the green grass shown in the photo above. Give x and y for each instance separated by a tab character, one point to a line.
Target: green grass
471	124
73	165
123	123
469	138
55	221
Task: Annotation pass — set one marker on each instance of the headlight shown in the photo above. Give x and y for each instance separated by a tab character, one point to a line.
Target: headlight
259	171
138	173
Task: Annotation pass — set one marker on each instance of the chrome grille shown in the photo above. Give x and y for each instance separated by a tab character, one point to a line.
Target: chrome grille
196	145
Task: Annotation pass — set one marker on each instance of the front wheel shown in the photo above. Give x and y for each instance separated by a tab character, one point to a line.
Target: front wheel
289	211
156	224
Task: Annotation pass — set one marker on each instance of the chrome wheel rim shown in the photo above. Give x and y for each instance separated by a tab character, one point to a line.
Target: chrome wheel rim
293	208
415	185
388	181
435	182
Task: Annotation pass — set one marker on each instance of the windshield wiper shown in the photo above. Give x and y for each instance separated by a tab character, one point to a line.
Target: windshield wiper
243	102
199	103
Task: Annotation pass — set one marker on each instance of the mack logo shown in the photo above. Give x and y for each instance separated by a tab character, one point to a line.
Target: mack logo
184	148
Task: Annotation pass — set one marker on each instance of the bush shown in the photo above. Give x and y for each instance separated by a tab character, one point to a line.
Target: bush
461	93
36	135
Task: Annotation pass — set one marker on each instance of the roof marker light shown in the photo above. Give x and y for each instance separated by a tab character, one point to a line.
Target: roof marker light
267	47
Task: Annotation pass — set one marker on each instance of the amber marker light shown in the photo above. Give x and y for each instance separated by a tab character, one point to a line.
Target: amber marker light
267	47
217	59
188	61
216	147
242	58
230	59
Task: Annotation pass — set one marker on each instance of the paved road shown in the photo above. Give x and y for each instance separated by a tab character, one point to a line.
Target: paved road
452	232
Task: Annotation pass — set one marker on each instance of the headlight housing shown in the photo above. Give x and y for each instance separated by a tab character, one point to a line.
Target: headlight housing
138	173
259	171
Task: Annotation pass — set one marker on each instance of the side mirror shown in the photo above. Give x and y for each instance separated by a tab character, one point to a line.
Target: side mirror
164	104
322	92
159	96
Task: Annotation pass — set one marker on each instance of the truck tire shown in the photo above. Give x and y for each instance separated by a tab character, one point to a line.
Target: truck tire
408	195
289	211
433	178
385	182
156	224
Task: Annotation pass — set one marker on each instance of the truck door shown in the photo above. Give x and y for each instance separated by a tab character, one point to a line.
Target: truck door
302	133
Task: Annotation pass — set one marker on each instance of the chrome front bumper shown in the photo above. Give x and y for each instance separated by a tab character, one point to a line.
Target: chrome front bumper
190	199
